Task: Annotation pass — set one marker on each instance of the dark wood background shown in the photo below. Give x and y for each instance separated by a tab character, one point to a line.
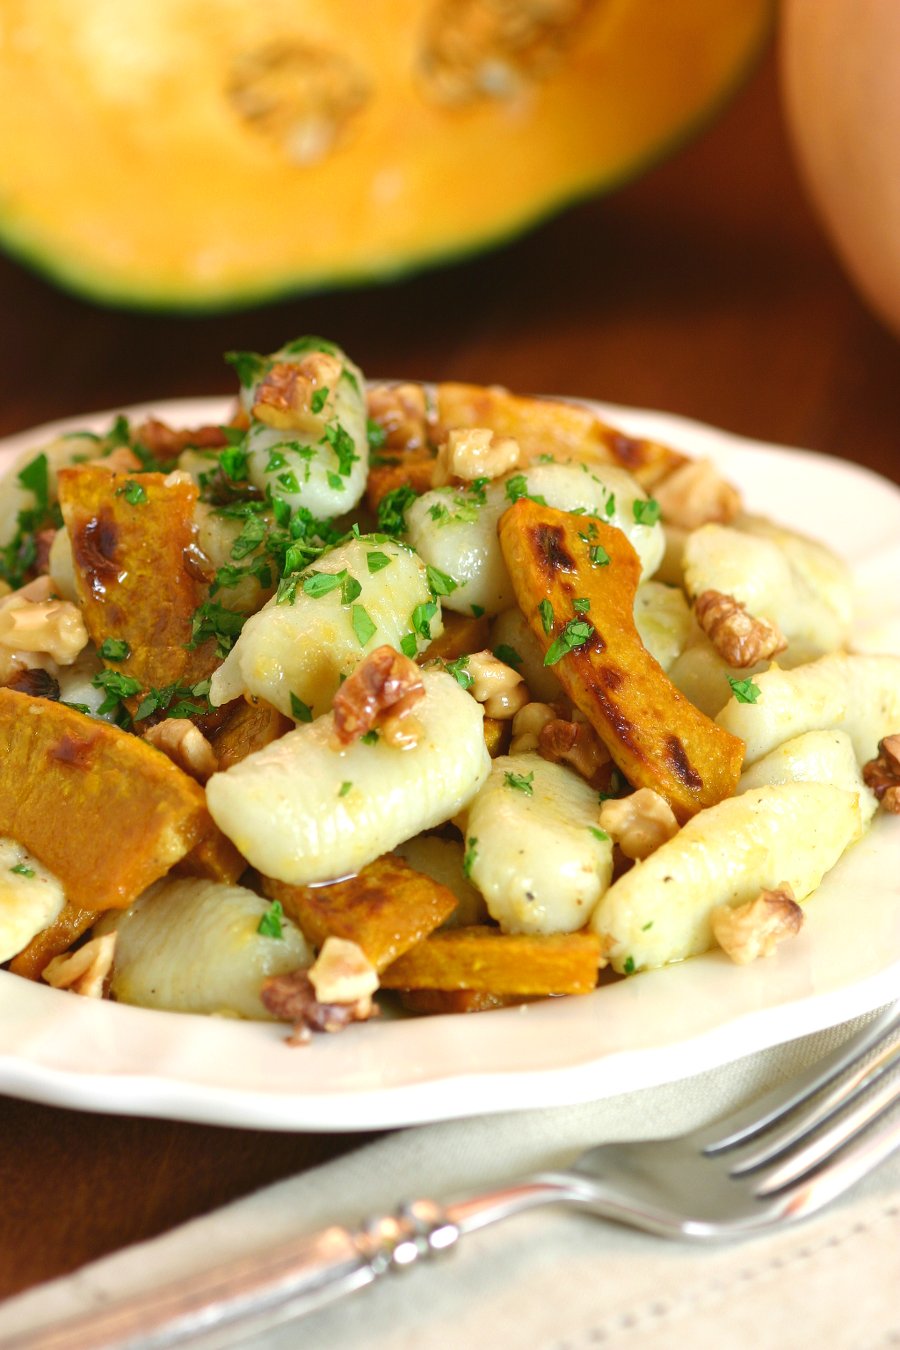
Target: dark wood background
706	288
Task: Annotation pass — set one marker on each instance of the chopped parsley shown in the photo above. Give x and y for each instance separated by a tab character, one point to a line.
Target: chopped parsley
581	605
517	487
134	493
375	434
114	649
350	590
116	687
575	634
212	620
745	691
22	870
317	584
598	833
439	583
270	923
409	645
370	737
628	965
234	462
319	399
477	611
341	443
470	856
175	700
393	507
300	711
520	782
459	669
376	561
508	655
609	509
646	512
546	612
421	618
363	626
345	788
598	556
249	367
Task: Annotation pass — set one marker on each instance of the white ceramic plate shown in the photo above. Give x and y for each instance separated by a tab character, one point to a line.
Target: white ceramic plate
653	1028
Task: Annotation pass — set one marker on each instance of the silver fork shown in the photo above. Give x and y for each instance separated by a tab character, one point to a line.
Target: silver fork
774	1162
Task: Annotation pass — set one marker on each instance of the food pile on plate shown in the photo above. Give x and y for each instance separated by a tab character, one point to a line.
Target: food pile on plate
433	690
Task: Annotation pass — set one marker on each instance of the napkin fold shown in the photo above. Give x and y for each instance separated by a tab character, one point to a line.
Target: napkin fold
553	1279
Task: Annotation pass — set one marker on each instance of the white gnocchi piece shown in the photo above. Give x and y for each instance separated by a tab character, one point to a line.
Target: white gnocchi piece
31	898
73	448
510	629
796	585
306	809
853	693
303	647
659	911
192	945
814	757
442	860
535	848
455	528
663	621
321	467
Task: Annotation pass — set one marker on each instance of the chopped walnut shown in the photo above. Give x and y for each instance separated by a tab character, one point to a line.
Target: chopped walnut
385	683
475	452
342	973
85	970
746	932
292	998
32	593
120	460
185	745
500	688
695	494
165	442
528	724
284	397
51	626
639	823
577	744
401	412
740	638
882	775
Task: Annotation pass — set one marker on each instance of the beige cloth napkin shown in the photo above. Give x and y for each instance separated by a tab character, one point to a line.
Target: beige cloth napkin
553	1279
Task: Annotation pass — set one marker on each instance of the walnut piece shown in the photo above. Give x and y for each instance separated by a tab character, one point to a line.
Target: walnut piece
575	743
475	452
695	494
528	724
401	412
120	460
165	442
54	627
284	397
342	973
385	683
496	685
638	823
746	932
882	775
740	638
292	998
85	970
185	745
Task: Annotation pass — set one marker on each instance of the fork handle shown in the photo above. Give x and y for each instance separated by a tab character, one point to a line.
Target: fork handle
263	1290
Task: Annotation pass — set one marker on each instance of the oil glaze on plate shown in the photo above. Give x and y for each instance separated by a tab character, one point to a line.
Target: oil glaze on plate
652	1028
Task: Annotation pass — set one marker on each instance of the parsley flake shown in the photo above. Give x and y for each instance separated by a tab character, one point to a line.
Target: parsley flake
460	672
439	583
370	737
134	493
628	965
745	691
375	435
319	399
546	612
508	655
421	618
114	649
363	626
598	556
520	782
270	923
598	833
646	512
376	561
575	634
471	855
344	788
22	870
581	605
392	509
300	711
318	584
409	645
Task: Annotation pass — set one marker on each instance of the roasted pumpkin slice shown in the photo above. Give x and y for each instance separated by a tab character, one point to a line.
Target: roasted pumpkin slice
554	427
135	570
222	158
385	909
485	960
575	580
104	811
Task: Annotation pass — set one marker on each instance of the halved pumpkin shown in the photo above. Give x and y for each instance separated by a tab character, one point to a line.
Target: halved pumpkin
197	153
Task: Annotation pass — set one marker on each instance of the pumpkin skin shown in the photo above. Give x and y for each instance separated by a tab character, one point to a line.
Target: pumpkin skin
840	66
204	153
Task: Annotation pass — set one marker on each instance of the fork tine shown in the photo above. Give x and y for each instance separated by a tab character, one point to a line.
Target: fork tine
866	1107
813	1192
818	1110
765	1111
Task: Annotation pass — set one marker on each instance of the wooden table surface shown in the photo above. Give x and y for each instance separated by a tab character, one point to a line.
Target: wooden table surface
704	289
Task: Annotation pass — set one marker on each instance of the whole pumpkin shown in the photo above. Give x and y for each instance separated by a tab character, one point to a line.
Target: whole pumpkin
840	65
202	153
